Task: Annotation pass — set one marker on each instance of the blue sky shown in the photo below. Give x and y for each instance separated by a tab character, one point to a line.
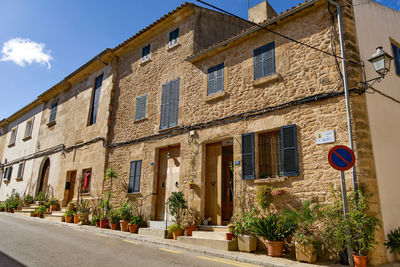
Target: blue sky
63	35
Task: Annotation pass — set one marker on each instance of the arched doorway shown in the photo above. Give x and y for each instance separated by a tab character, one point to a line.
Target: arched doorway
44	177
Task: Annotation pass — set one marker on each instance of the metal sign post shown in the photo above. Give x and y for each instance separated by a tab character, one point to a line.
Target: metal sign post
342	158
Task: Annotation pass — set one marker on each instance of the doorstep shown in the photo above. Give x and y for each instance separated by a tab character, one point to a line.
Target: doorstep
252	258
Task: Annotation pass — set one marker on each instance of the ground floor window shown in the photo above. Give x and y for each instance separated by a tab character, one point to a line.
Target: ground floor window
86	179
270	154
134	176
7	174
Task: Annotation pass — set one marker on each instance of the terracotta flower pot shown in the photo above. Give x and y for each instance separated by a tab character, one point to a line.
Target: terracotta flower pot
114	226
104	223
19	208
53	207
124	225
176	233
360	261
97	223
229	236
68	219
133	228
76	218
41	215
190	229
275	248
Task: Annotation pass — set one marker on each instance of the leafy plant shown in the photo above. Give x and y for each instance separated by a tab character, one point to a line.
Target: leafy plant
175	227
28	199
274	227
393	240
125	211
41	210
13	201
105	204
41	196
84	207
53	201
245	225
177	206
264	196
361	223
69	213
94	220
136	220
114	216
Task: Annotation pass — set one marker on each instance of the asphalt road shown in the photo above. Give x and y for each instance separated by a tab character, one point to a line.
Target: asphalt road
30	243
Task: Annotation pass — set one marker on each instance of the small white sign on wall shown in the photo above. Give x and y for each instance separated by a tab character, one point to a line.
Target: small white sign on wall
325	137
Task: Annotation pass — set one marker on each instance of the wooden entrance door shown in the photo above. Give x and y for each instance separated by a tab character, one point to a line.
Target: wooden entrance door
44	177
70	186
213	183
168	178
227	184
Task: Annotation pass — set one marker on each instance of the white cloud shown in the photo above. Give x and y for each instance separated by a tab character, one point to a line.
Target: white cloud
24	51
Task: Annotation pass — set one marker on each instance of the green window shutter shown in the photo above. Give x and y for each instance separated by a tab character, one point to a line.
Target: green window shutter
269	60
215	79
248	167
289	150
219	78
140	112
174	104
164	107
136	185
132	177
211	81
258	63
396	56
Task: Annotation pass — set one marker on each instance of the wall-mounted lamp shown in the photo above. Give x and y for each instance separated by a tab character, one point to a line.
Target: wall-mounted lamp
381	61
168	155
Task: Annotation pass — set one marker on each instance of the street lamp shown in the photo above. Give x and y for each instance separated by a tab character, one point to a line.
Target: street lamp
381	61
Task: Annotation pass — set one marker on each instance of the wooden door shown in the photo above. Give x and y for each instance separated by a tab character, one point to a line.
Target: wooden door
168	178
227	184
213	183
44	178
71	186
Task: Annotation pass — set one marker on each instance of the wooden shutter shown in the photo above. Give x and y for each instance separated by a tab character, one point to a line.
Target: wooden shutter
96	98
20	168
248	168
132	177
269	59
164	106
138	170
53	112
396	56
211	81
140	112
10	169
219	87
289	150
174	106
258	62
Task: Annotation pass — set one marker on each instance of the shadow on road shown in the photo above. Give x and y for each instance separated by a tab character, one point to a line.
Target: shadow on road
6	260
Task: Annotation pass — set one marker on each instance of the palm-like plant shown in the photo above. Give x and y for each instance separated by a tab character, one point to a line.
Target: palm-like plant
274	227
393	241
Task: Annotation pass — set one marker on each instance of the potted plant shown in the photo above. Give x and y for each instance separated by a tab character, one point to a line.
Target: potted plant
53	204
114	219
393	241
69	216
176	230
95	221
231	231
362	227
274	228
104	220
1	207
84	211
243	229
40	198
177	206
125	214
28	199
134	224
191	221
41	210
306	235
105	207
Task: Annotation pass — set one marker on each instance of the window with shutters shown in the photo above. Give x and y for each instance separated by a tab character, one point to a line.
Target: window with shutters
140	112
169	104
94	106
134	177
270	154
13	137
28	130
7	174
215	79
20	171
146	53
173	38
396	57
85	182
264	61
53	113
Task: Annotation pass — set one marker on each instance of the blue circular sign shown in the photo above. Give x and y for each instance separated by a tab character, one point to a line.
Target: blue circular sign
341	158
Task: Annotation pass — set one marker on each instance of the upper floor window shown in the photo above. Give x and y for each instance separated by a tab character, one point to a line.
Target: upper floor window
28	129
53	112
13	136
94	106
145	53
20	170
264	61
173	38
396	56
86	179
169	104
215	79
134	176
140	112
7	174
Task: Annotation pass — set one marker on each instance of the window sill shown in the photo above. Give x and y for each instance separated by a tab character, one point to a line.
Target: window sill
6	181
85	194
19	179
267	79
11	145
171	48
27	138
136	194
140	120
168	129
144	62
270	180
216	96
50	124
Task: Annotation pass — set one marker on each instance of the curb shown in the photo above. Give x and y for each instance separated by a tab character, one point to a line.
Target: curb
250	258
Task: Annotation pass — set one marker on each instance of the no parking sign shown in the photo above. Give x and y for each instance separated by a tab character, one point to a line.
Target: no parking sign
341	158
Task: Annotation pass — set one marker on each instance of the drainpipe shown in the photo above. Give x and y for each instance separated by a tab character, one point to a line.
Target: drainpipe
345	87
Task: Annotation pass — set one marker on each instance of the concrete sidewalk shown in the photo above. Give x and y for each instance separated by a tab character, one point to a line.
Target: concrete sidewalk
251	258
